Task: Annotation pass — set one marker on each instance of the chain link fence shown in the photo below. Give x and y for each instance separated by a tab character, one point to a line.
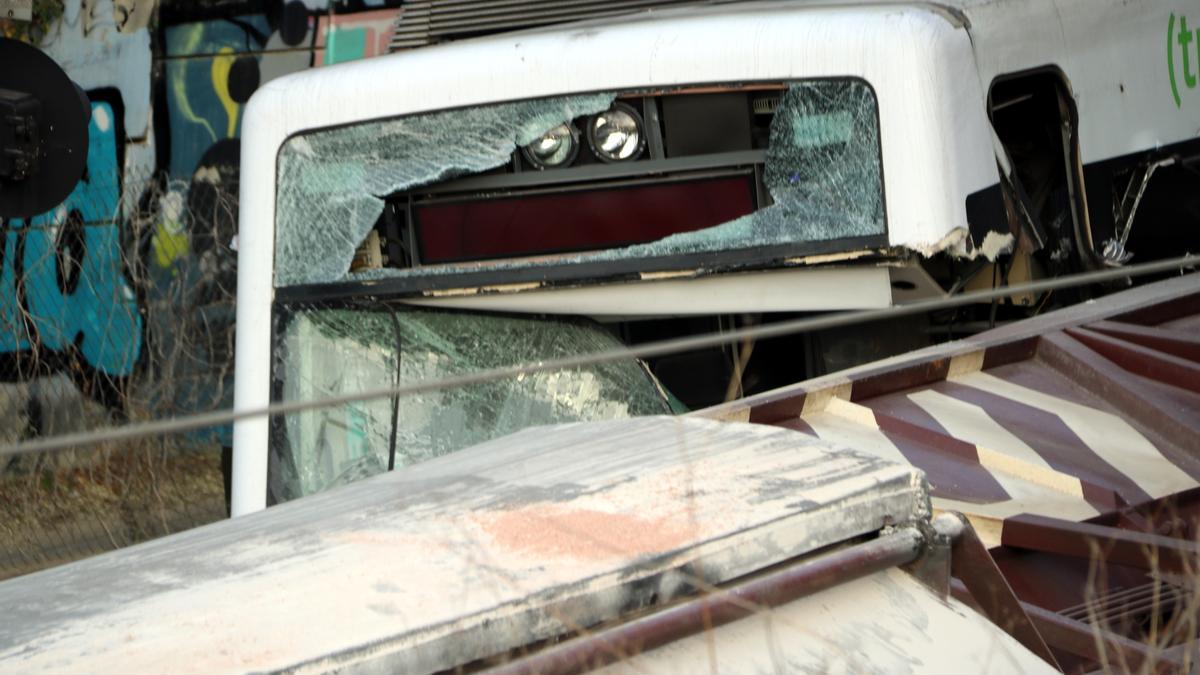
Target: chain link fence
116	307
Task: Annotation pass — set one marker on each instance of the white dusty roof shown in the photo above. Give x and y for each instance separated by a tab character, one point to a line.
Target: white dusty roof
462	557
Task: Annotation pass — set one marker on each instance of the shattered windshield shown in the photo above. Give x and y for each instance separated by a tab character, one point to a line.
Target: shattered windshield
327	352
813	174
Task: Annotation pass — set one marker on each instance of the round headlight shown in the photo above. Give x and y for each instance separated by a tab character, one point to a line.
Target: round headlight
555	148
616	135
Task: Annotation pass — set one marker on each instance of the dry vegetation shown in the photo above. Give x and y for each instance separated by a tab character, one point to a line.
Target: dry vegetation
54	514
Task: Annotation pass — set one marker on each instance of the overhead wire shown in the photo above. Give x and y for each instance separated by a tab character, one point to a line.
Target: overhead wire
215	418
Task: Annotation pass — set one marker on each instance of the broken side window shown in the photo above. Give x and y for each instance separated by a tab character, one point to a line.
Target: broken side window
327	352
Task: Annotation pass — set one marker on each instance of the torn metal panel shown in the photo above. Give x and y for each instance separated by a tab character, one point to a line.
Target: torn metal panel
465	556
332	352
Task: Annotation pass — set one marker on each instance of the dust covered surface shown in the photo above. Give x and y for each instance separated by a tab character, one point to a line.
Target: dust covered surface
467	555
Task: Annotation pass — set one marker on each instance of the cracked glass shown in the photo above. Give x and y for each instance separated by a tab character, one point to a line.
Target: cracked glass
328	352
822	173
332	183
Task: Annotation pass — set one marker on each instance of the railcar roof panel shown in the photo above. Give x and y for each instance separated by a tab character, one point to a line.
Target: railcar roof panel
465	556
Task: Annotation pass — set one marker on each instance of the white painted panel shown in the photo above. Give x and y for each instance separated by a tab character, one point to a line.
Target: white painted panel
883	623
1114	55
812	289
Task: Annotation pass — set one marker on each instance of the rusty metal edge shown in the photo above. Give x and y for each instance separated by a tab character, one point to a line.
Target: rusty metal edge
981	579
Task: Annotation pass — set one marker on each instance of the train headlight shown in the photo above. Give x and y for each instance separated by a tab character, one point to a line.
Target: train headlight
555	148
617	134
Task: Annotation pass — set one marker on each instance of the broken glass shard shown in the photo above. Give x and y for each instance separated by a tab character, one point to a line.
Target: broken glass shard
822	173
329	352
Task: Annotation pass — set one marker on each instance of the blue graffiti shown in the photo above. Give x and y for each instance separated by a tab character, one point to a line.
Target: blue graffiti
99	314
199	105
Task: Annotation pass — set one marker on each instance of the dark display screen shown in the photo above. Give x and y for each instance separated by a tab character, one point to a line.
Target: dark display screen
577	221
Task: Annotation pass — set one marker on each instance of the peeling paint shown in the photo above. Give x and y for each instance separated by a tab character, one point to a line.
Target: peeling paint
995	244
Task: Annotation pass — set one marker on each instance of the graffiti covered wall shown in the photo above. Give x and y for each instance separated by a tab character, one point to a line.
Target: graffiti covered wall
119	302
63	291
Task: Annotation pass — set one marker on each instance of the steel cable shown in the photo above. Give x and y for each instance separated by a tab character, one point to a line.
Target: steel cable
760	332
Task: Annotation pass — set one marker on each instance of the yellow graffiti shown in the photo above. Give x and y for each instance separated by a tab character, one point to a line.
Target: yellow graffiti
170	243
177	76
221	66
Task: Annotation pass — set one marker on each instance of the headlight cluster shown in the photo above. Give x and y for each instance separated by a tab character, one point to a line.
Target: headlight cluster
615	135
555	148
